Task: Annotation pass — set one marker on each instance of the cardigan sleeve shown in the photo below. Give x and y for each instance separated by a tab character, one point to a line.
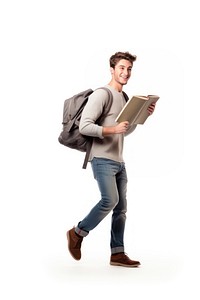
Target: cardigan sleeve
91	112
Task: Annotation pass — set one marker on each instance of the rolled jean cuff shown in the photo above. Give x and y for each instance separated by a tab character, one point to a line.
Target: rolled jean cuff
117	250
81	232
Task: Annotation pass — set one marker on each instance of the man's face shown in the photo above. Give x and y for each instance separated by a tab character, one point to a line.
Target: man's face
122	71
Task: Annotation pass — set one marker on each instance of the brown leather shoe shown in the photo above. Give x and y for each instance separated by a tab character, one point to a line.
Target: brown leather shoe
121	259
74	243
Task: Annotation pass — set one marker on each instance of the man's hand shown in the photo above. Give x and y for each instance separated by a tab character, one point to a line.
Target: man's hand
151	108
122	127
119	128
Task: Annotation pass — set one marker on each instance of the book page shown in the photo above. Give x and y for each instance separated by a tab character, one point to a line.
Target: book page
131	109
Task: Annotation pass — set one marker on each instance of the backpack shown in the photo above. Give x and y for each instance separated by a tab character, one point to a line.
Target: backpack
72	111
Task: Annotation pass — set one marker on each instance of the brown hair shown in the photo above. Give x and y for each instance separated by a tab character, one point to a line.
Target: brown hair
115	58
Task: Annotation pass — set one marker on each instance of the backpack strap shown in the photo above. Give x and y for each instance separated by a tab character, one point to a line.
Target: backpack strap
126	97
100	119
87	154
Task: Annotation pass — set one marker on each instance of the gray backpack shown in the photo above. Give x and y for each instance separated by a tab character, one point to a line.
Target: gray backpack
72	111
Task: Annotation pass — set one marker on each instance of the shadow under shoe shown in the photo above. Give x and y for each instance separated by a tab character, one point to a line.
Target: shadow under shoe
74	243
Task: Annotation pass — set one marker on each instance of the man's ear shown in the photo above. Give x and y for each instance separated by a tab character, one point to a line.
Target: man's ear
111	70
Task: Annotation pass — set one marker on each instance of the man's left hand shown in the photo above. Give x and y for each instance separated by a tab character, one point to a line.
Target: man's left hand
151	108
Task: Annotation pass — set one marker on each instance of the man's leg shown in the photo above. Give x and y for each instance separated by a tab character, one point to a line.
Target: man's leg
104	171
118	257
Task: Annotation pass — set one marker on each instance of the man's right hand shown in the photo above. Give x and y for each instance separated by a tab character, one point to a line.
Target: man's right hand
122	127
119	128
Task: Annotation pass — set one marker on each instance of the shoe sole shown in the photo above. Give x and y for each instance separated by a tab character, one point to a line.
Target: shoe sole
124	265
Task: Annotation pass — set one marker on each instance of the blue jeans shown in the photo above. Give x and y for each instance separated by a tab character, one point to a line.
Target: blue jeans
112	181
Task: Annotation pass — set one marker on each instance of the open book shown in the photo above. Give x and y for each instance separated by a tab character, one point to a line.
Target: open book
135	110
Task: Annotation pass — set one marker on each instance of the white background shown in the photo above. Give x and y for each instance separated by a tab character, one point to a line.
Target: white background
51	50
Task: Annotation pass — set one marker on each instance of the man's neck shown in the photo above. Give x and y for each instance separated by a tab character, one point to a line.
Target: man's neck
116	85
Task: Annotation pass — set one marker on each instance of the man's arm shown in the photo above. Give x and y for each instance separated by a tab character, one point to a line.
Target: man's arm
92	111
119	128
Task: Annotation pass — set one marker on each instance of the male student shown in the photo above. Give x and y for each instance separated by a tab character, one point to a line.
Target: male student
108	163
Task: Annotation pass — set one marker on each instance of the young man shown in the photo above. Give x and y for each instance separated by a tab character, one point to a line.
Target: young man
107	162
